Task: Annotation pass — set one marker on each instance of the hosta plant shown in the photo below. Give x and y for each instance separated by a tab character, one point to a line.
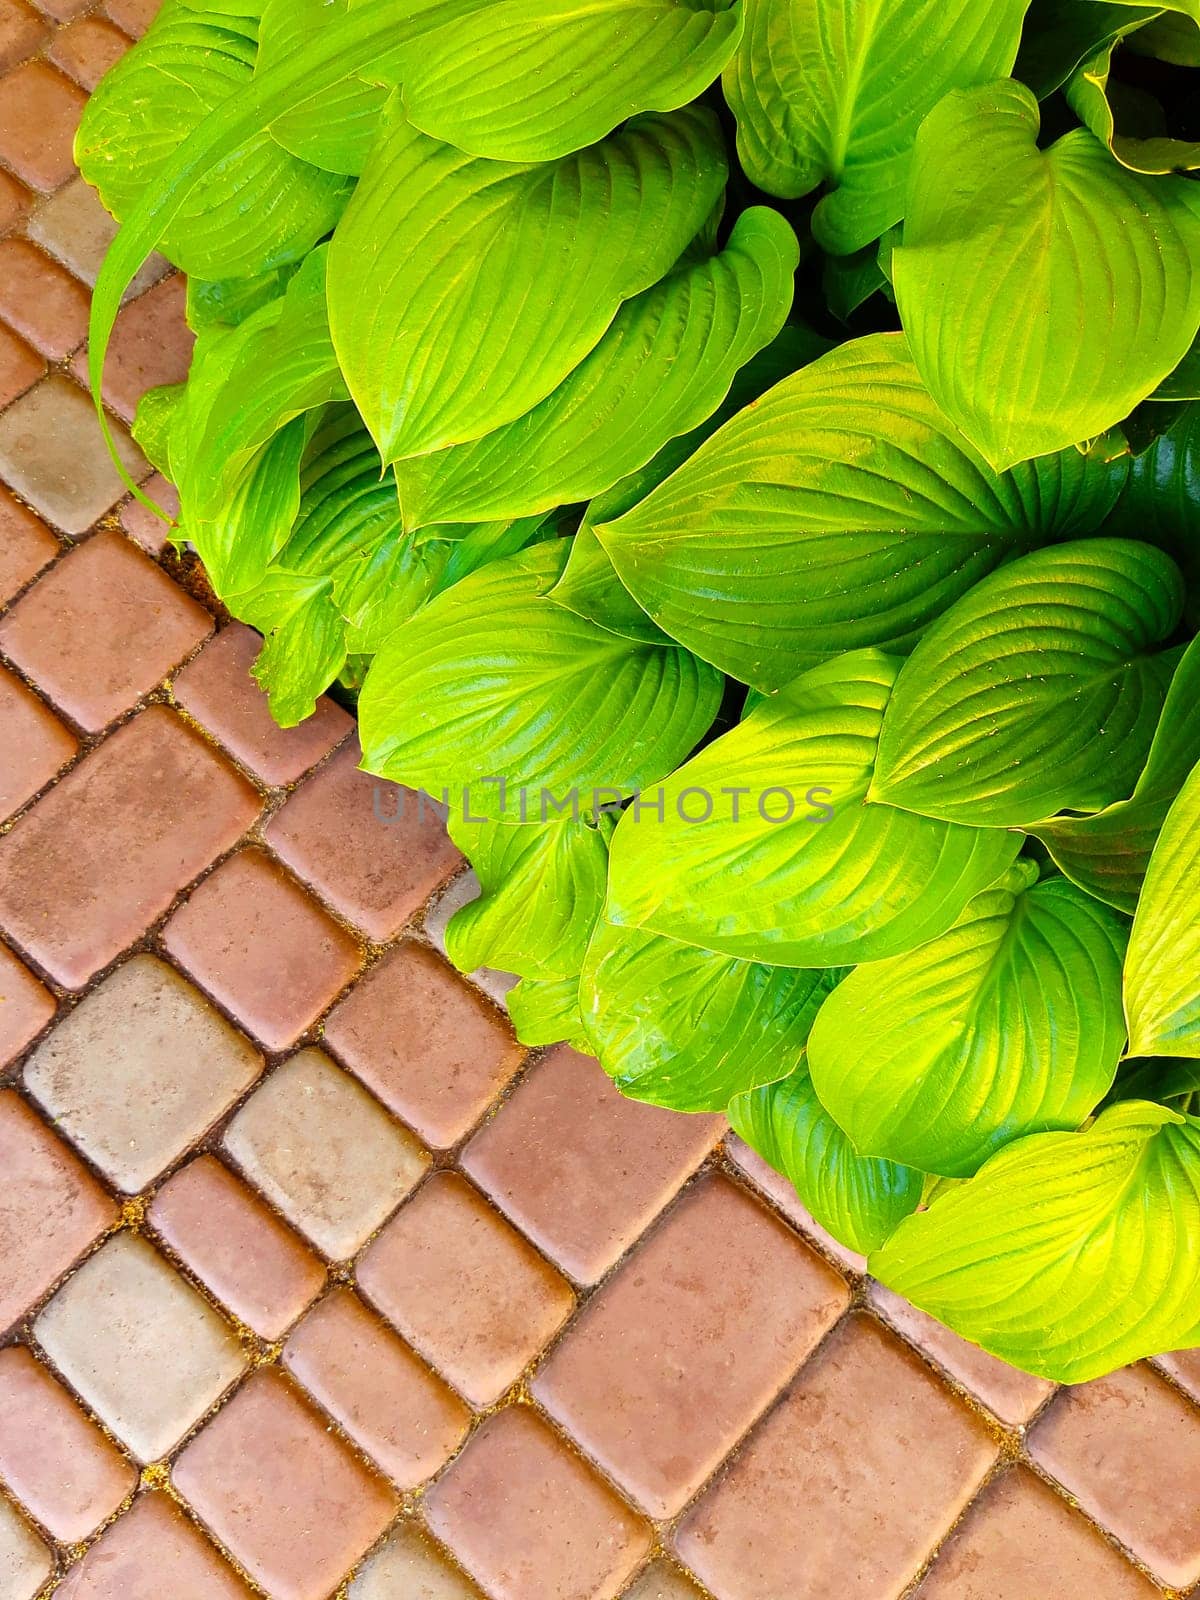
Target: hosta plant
744	456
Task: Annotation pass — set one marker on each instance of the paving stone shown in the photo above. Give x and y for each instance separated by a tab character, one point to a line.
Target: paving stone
15	202
25	1562
1184	1367
867	1453
263	947
53	1458
1128	1448
530	1520
581	1169
41	300
26	1006
139	1345
39	113
283	1494
101	629
464	1288
218	690
88	868
331	1159
778	1189
140	1070
133	16
146	526
1010	1395
76	229
51	1209
53	454
151	345
151	1553
35	744
407	1565
22	33
250	1259
20	367
88	49
1019	1541
26	546
361	843
388	1401
425	1042
63	10
661	1581
644	1380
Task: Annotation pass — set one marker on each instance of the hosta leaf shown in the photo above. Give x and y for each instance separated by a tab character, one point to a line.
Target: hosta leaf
546	1011
860	1200
1159	501
1174	36
1161	1078
334	130
154	423
1038	692
841	880
462	291
1162	972
1062	34
664	365
827	92
228	302
842	510
1069	1254
1010	1023
256	206
1009	251
304	640
1183	383
1133	127
1108	852
531	80
248	529
590	587
494	681
542	894
687	1029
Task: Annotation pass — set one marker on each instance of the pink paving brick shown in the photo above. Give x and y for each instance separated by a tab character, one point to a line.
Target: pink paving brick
581	1169
25	1562
151	1552
151	345
246	1255
146	526
262	947
53	1458
39	112
427	1043
15	201
530	1520
63	10
102	629
103	854
22	33
1128	1448
644	1380
34	741
26	546
41	300
464	1288
362	844
284	1495
51	1209
388	1401
1019	1541
26	1006
849	1484
21	366
88	49
1184	1367
133	16
218	690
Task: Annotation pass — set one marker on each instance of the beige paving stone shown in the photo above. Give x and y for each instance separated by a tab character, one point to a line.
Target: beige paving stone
53	453
25	1563
139	1344
332	1160
140	1070
407	1565
661	1581
74	226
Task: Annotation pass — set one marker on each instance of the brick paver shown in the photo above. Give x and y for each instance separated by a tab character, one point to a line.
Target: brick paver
313	1281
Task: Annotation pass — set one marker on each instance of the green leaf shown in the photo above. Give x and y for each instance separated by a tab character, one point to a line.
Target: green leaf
590	587
154	422
462	291
532	80
1069	1254
842	510
1162	971
1038	692
1161	1078
334	130
1183	383
229	301
827	92
304	645
1130	122
1108	853
494	681
542	894
860	1201
840	880
1062	34
1174	36
240	540
1008	1024
1010	251
546	1011
687	1029
256	206
1159	501
664	365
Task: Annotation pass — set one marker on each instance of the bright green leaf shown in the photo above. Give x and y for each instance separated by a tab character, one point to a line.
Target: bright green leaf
1062	34
1131	125
546	1011
1162	972
334	130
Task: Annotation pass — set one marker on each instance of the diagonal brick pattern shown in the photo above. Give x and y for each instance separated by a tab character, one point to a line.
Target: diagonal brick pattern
312	1281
